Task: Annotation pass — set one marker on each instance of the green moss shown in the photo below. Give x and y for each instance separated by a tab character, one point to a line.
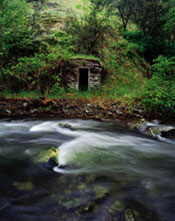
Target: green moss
129	215
24	185
74	202
45	155
100	191
118	206
86	57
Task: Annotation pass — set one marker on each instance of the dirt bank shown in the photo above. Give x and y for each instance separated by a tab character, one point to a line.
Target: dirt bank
76	108
66	108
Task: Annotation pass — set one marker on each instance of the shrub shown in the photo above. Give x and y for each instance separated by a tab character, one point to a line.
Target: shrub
159	93
40	71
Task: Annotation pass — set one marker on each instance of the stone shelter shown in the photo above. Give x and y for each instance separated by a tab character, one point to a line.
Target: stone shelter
81	74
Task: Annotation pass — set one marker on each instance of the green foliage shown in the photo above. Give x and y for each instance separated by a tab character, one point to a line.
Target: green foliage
148	46
56	89
155	25
13	30
123	9
164	67
5	92
138	38
36	16
125	78
21	93
84	56
30	94
89	30
60	38
23	72
33	41
169	26
150	16
159	93
40	72
82	94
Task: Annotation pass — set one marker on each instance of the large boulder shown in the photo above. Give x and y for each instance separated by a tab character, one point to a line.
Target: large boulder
47	155
153	129
170	134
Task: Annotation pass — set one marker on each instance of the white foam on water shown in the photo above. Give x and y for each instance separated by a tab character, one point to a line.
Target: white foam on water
29	152
101	142
165	139
8	127
69	171
48	126
105	145
62	171
14	124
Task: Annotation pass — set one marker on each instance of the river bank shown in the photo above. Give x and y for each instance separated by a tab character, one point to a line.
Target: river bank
67	108
74	108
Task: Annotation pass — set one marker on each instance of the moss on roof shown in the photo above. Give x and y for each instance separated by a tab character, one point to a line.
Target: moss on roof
86	57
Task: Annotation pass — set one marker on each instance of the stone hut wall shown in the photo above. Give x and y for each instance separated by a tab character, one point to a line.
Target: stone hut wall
71	71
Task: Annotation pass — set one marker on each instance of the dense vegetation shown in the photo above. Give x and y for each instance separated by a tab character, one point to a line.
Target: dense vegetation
135	40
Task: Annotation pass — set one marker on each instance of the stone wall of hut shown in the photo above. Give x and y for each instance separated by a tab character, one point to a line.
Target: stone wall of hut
70	72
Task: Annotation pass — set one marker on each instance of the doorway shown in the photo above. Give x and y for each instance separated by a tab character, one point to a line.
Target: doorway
83	79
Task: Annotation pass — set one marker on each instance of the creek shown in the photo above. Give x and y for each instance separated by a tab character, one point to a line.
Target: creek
106	172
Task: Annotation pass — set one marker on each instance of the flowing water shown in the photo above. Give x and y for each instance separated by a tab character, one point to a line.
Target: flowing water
105	172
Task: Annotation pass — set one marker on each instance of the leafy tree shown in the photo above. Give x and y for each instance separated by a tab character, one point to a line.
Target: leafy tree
88	31
169	26
149	15
155	21
13	17
124	9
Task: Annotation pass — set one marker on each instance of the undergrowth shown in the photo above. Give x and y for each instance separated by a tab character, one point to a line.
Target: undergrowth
126	73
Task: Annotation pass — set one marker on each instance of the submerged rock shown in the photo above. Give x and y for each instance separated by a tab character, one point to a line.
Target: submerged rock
129	215
48	155
68	126
170	134
159	130
153	129
26	186
117	206
50	164
139	126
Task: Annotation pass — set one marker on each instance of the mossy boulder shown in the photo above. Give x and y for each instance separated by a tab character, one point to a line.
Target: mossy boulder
153	129
162	131
48	154
67	126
